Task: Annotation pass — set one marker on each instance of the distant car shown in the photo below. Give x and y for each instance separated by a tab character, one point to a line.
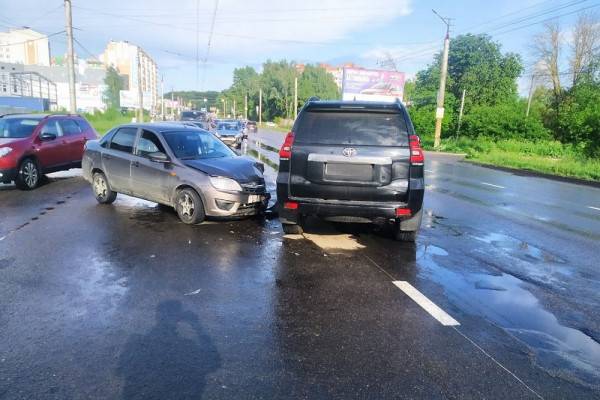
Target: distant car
352	162
251	126
193	115
36	144
198	124
183	167
230	133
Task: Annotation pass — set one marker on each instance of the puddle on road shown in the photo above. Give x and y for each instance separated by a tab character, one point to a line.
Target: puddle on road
504	300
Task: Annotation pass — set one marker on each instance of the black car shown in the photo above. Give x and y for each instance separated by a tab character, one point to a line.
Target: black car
193	115
352	162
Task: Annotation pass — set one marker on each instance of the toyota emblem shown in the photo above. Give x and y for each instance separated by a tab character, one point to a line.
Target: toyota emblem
349	152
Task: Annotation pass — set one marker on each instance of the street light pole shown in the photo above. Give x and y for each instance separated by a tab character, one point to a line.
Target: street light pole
260	107
439	112
70	58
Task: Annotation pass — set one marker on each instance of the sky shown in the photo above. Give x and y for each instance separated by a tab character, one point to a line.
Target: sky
247	32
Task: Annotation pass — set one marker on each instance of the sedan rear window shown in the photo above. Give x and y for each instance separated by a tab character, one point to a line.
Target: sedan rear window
352	128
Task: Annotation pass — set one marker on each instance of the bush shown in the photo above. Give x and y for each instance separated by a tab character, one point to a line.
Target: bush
503	121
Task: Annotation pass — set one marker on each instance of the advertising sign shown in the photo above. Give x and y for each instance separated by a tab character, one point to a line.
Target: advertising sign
129	99
372	84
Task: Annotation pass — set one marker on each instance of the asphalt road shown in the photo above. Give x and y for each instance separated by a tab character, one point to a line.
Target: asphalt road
124	301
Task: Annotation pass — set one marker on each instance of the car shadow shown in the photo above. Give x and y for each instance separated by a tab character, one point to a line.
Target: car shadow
172	360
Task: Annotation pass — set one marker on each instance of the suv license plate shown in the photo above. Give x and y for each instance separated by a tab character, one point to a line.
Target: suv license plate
254	198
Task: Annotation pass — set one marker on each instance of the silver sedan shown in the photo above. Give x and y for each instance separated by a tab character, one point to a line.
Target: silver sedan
179	166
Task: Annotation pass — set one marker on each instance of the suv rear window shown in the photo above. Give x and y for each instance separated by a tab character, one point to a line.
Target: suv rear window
351	128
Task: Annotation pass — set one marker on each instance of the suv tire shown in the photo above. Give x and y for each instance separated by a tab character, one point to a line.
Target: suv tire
292	229
101	188
404	236
28	175
189	207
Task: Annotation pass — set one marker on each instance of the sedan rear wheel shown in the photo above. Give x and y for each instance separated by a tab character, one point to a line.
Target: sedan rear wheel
103	193
189	207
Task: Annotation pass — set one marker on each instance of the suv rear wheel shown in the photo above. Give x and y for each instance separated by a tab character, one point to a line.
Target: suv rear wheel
102	192
28	176
189	207
404	236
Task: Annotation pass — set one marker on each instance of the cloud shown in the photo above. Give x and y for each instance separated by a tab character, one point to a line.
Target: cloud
245	32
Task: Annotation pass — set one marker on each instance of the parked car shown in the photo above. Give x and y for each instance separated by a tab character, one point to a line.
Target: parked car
352	162
198	124
251	126
35	144
230	133
193	115
179	166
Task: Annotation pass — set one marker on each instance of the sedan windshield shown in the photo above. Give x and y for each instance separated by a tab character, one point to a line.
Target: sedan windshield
196	144
17	127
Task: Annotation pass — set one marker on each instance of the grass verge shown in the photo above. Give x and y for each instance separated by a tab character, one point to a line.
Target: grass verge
550	157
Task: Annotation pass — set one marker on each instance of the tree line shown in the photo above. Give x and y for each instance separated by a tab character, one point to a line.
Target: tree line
564	89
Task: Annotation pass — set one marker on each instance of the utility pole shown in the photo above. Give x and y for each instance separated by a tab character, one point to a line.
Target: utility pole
295	98
70	58
162	97
439	112
530	98
172	104
460	113
259	106
140	92
246	106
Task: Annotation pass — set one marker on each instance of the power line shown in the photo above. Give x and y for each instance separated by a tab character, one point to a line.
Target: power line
31	40
212	28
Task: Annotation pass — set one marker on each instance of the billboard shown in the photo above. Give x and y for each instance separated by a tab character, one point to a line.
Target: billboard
372	84
129	99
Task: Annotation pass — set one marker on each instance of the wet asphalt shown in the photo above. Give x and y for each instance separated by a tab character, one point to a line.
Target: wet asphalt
126	302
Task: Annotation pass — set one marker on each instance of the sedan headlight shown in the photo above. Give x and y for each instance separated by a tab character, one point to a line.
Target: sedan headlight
5	151
225	184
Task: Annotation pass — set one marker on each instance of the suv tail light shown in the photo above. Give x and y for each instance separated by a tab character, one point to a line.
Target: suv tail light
416	153
286	149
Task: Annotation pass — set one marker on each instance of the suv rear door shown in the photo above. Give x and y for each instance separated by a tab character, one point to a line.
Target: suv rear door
74	138
350	153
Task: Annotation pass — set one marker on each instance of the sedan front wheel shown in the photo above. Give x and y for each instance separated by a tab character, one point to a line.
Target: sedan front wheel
189	207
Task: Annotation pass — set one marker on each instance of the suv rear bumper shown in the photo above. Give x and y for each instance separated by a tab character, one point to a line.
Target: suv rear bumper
8	175
353	210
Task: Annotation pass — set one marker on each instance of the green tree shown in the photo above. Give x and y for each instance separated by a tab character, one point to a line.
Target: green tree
316	81
114	84
277	81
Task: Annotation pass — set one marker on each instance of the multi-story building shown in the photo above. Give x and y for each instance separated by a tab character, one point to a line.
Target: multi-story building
24	46
124	57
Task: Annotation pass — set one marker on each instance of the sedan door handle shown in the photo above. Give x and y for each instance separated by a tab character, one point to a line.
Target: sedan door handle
107	157
136	163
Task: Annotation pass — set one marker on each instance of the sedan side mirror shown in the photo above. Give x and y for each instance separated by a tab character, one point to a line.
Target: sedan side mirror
47	136
158	157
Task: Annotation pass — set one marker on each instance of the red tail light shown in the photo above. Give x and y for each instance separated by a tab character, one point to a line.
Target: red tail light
403	212
290	205
416	153
286	148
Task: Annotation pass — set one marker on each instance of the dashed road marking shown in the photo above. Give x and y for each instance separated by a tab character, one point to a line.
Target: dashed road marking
429	171
426	304
594	208
492	185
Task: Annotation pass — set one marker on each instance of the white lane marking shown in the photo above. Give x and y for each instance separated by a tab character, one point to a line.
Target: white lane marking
492	185
2	238
197	291
426	304
428	170
594	208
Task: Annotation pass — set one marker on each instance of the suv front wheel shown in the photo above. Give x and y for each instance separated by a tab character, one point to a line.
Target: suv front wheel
28	176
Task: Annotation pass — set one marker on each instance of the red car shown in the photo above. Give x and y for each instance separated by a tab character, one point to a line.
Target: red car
36	144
